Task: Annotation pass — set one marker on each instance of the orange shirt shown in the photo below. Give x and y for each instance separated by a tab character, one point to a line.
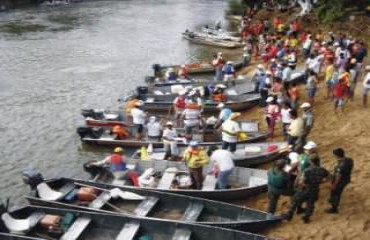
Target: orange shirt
294	93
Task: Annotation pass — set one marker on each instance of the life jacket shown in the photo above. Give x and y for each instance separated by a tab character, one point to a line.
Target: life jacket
192	106
180	102
117	163
195	158
183	72
219	97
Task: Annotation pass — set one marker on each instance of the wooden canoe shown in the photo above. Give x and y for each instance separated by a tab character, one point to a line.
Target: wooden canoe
157	205
98	226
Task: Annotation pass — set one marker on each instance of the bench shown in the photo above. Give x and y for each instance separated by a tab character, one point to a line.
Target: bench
100	201
128	231
182	234
145	206
75	230
209	183
193	212
166	180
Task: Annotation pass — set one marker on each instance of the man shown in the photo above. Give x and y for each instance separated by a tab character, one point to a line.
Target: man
218	63
179	104
229	73
192	117
366	87
154	129
230	130
264	85
260	71
307	190
195	158
138	117
223	165
307	46
120	132
278	184
218	94
287	75
183	72
341	177
169	141
224	114
116	162
295	129
308	120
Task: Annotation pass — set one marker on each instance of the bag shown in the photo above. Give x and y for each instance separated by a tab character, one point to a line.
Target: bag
50	221
242	136
86	194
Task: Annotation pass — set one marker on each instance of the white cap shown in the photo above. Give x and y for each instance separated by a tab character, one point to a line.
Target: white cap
220	105
310	145
269	99
169	123
336	44
152	119
229	62
221	86
306	105
260	66
293	156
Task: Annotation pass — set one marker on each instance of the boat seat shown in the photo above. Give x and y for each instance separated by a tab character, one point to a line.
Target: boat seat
119	182
166	180
145	206
128	231
193	212
21	226
100	201
46	193
209	183
75	230
256	181
182	234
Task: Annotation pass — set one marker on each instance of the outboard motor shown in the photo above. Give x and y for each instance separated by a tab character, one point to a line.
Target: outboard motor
142	90
150	79
97	172
32	178
85	131
88	113
157	70
4	206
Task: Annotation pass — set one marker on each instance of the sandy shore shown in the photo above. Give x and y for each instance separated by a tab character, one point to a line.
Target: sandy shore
349	131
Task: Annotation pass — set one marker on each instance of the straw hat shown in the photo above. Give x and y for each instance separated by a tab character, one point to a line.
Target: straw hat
285	148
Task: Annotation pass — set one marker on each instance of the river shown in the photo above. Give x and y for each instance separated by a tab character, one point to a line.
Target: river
82	55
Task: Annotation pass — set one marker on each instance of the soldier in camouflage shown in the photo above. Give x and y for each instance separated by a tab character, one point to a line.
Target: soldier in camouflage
307	190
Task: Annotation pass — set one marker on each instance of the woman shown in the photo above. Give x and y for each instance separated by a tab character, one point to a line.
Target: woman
311	86
272	115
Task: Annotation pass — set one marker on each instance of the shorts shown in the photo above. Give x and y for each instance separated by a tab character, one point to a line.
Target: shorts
311	92
365	91
140	128
338	102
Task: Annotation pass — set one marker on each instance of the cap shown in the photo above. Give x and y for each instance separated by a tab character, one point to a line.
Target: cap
293	156
193	143
269	99
310	145
169	123
336	44
353	61
118	150
306	105
221	86
152	118
220	105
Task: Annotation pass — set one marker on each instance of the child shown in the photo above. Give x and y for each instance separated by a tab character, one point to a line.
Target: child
340	90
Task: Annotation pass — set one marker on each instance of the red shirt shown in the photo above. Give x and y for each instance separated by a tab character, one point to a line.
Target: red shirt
340	90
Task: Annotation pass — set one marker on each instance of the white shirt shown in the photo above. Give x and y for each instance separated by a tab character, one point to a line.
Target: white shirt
169	134
224	159
366	83
191	116
138	116
154	129
287	73
307	43
285	116
230	130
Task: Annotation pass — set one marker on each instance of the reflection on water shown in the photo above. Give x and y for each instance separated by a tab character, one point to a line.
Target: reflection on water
87	55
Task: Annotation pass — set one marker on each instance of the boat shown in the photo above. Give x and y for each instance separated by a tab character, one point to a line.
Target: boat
214	31
246	155
212	41
102	136
244	182
149	204
41	223
212	35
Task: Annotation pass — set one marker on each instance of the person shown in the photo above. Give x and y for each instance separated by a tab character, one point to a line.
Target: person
309	151
230	130
223	165
179	104
116	162
287	74
293	95
195	158
307	190
308	120
277	183
120	132
295	129
339	93
229	73
285	118
218	94
154	129
183	72
264	86
366	87
272	115
260	71
192	117
138	116
311	86
341	178
329	81
171	75
131	104
218	62
224	114
307	46
169	141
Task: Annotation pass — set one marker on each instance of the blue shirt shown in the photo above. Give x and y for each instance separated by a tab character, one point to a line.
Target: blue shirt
225	114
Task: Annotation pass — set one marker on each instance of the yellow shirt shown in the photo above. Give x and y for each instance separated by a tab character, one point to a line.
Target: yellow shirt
329	72
296	127
195	159
293	42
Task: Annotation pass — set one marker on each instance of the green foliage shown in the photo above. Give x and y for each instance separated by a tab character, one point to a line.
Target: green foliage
327	13
235	7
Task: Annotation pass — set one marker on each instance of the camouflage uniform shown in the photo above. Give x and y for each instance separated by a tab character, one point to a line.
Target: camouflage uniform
308	193
343	170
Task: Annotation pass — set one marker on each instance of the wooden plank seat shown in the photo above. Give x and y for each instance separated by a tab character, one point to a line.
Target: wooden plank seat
128	231
166	180
209	184
100	201
145	206
182	234
75	230
192	212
